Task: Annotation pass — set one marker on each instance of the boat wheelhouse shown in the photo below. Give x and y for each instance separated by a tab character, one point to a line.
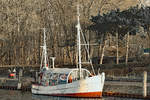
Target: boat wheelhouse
59	76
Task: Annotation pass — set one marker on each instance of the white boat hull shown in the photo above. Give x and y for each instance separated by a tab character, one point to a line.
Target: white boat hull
89	87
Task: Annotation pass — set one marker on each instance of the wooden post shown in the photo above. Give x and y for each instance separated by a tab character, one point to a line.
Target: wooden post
145	84
20	75
19	78
36	77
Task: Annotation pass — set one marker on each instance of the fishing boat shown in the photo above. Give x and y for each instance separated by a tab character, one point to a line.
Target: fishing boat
68	82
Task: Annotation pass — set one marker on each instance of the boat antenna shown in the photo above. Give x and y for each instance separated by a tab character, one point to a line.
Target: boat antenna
78	40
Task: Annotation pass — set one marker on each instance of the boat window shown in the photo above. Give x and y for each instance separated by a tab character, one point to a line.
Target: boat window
74	75
85	73
57	78
53	80
62	78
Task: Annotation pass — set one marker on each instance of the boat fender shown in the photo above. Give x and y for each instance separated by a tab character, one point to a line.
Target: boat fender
70	79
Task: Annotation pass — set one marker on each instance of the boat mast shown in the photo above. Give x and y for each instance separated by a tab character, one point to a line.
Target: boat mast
44	51
79	40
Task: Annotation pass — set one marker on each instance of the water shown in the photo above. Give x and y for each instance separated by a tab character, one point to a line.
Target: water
18	95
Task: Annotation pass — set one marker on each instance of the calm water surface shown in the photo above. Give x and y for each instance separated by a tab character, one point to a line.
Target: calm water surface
18	95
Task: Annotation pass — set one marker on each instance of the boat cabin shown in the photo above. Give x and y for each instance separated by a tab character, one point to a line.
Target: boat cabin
58	76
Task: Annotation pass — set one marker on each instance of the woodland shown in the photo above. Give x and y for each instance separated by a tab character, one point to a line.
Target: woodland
117	28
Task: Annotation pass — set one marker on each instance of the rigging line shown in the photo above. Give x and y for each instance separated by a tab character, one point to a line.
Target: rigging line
88	52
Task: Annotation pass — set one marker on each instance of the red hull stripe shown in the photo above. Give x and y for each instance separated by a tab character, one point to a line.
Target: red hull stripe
81	95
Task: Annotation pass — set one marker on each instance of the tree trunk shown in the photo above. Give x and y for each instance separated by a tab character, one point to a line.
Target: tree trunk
148	33
100	49
70	55
103	51
65	55
127	48
117	56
